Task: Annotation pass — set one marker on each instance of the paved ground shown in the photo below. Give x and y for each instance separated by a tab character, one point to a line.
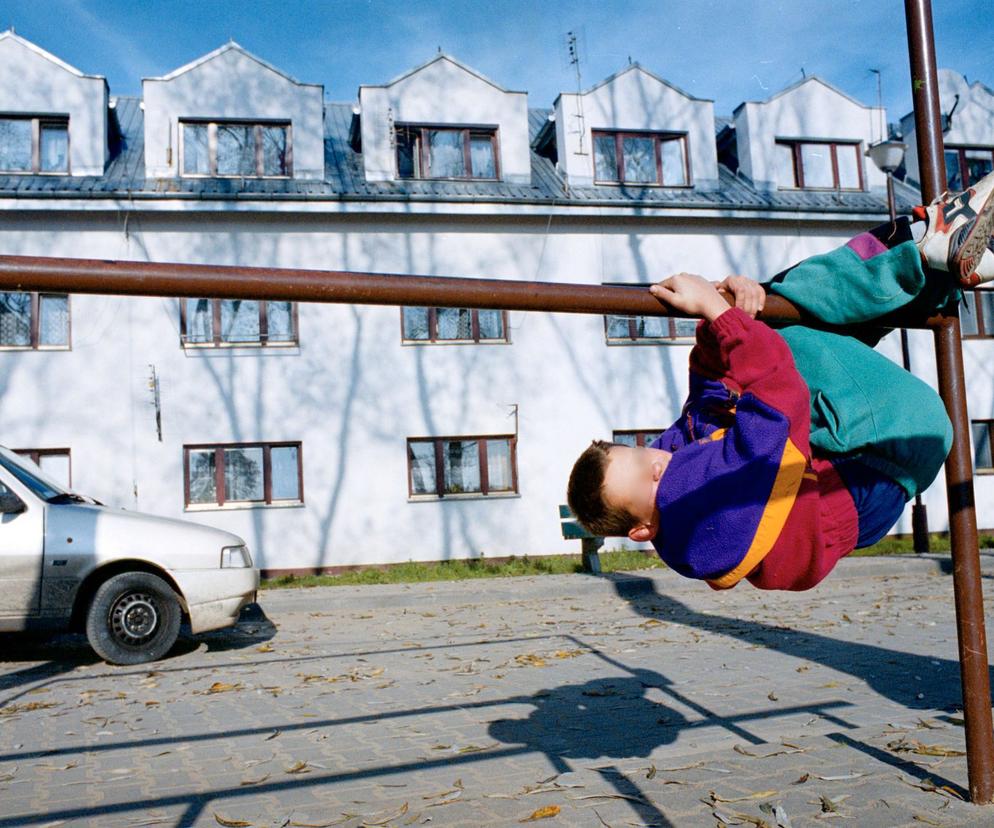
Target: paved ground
622	701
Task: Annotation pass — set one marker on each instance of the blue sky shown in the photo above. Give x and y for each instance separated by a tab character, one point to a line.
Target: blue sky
727	50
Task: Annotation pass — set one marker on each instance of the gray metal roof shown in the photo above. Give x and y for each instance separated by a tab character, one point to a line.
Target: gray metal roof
345	180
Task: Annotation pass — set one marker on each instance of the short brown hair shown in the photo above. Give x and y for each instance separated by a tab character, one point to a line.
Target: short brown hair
585	494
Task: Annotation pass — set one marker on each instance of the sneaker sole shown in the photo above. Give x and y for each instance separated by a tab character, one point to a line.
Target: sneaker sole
966	260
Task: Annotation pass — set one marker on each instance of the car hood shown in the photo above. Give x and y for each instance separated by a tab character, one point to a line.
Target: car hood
106	534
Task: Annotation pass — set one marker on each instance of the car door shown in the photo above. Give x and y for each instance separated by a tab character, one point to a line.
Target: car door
22	546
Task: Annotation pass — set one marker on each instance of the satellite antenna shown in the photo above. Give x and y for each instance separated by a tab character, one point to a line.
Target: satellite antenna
573	51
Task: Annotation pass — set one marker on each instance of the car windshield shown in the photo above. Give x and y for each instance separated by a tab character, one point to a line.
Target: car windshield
30	475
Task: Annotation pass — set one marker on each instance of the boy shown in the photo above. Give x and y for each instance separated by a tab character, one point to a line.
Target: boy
794	446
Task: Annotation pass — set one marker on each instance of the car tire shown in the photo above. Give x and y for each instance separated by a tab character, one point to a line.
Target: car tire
133	618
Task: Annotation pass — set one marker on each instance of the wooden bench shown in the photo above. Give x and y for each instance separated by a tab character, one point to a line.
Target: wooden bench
572	530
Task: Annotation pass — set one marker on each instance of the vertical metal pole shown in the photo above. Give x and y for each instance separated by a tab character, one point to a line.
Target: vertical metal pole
959	467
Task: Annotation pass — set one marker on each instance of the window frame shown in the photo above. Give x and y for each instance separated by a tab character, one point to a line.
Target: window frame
795	145
633	338
985	327
218	342
481	441
35	455
982	470
38	121
660	137
267	476
212	124
638	433
434	339
469	131
961	151
35	345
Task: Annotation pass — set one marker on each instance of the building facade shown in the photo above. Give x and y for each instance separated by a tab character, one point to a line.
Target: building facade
333	436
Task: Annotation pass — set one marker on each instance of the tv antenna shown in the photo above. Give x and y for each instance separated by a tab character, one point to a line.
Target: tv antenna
573	51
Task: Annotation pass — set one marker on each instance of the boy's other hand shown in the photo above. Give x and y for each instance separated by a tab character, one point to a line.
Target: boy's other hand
748	293
691	294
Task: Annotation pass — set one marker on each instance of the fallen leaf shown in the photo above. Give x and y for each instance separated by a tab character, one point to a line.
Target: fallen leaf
926	820
389	818
757	795
27	707
230	823
264	648
542	813
221	687
652	773
259	781
843	778
804	777
298	767
530	660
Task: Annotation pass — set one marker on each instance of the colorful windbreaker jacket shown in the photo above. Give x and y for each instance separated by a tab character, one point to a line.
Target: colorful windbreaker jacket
742	496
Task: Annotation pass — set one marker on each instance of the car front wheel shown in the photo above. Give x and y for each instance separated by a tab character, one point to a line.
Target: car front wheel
133	618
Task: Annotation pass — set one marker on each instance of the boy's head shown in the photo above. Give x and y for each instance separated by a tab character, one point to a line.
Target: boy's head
612	489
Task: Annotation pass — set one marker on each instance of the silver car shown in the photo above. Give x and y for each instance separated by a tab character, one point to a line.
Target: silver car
128	579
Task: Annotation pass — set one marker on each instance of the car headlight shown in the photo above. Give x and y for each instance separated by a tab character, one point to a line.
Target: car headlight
235	557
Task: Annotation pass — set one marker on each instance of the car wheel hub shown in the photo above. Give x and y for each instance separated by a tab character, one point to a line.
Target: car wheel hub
134	618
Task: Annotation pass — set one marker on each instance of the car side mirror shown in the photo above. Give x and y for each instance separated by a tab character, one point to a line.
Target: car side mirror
10	503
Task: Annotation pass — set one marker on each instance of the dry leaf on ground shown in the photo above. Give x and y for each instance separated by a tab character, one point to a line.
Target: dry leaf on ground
547	812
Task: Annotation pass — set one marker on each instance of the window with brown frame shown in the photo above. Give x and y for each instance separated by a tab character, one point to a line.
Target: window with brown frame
981	432
819	165
658	158
38	321
236	148
635	437
446	466
647	330
35	144
237	322
977	317
427	325
447	152
248	474
54	462
967	165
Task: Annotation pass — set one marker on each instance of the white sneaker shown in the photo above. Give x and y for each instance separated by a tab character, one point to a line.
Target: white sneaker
958	238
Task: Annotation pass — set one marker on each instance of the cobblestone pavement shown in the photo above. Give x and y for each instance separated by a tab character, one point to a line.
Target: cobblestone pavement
620	701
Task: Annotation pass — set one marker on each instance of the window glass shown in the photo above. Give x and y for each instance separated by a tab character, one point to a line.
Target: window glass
639	154
407	154
685	327
969	326
243	473
235	149
650	436
785	166
196	157
445	148
53	322
816	160
422	458
203	482
491	324
654	327
54	149
454	323
624	439
499	466
674	168
605	158
15	144
284	470
981	445
199	320
617	327
954	180
415	322
56	466
279	319
848	162
978	164
461	466
274	146
985	300
15	319
481	155
239	320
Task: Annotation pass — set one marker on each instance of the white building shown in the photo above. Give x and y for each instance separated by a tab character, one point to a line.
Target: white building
333	436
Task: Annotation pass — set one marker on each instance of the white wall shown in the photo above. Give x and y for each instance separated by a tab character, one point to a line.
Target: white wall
231	84
352	393
443	92
812	110
635	100
32	81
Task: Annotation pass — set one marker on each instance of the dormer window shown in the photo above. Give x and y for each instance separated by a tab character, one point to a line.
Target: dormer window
819	165
447	152
658	158
34	145
967	165
236	148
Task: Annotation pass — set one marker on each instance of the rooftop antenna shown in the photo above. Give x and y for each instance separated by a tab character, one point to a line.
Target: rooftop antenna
880	103
573	51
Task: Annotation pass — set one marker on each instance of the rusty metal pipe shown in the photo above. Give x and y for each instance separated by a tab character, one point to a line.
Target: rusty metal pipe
970	626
